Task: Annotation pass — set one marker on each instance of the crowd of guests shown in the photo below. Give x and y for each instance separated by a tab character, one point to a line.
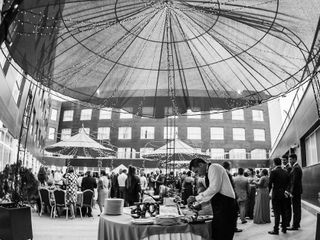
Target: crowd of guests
253	189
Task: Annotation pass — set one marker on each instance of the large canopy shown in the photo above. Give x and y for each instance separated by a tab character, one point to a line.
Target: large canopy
175	150
80	145
198	55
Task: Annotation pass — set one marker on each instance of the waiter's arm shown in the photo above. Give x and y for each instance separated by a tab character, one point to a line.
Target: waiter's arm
215	182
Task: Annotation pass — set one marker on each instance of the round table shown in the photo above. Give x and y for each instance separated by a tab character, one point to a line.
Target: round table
120	228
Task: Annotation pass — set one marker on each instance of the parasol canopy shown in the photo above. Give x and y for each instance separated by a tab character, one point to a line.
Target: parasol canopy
117	169
175	150
199	55
80	145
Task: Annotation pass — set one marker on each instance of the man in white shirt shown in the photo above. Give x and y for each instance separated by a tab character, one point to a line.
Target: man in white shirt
122	183
221	194
143	183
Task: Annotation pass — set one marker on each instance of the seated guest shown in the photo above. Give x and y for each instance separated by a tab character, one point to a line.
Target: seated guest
88	182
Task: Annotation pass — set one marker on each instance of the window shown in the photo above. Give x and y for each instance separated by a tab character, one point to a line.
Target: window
68	115
312	148
4	53
194	115
147	112
145	151
54	114
194	132
257	115
238	114
237	154
124	132
170	132
147	133
259	135
238	134
216	114
65	134
51	134
216	133
86	130
217	153
85	114
105	113
259	154
17	87
103	133
125	115
126	152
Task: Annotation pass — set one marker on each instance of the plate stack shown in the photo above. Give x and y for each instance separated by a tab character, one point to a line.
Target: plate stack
167	220
143	221
113	206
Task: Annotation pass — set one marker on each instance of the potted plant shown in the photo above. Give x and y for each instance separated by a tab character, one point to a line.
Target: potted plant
18	187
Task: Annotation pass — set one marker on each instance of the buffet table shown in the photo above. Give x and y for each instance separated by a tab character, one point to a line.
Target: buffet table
120	228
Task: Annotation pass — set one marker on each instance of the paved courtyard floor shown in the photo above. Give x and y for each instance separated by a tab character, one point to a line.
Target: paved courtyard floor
87	229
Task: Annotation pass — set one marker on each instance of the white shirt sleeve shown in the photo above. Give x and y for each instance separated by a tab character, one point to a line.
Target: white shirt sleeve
219	182
215	181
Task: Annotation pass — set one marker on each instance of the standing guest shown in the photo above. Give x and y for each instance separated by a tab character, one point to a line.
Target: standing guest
286	166
178	182
295	191
152	181
221	195
114	185
251	194
159	181
187	187
133	187
278	183
102	186
80	177
71	190
227	165
122	183
42	177
58	178
261	213
144	183
88	182
241	187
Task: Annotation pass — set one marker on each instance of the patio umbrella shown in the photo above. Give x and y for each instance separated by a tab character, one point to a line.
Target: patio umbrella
175	150
80	145
199	55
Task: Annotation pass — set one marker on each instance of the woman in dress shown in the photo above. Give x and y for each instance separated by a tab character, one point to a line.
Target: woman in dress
261	213
103	189
187	187
71	181
133	187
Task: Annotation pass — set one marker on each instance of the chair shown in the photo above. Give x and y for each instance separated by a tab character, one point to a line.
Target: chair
61	200
87	198
79	203
45	200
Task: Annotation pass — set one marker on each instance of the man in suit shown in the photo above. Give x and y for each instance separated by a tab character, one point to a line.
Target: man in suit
241	187
295	191
88	182
278	183
286	166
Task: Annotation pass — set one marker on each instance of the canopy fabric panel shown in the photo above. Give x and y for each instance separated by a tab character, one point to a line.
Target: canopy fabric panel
187	54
